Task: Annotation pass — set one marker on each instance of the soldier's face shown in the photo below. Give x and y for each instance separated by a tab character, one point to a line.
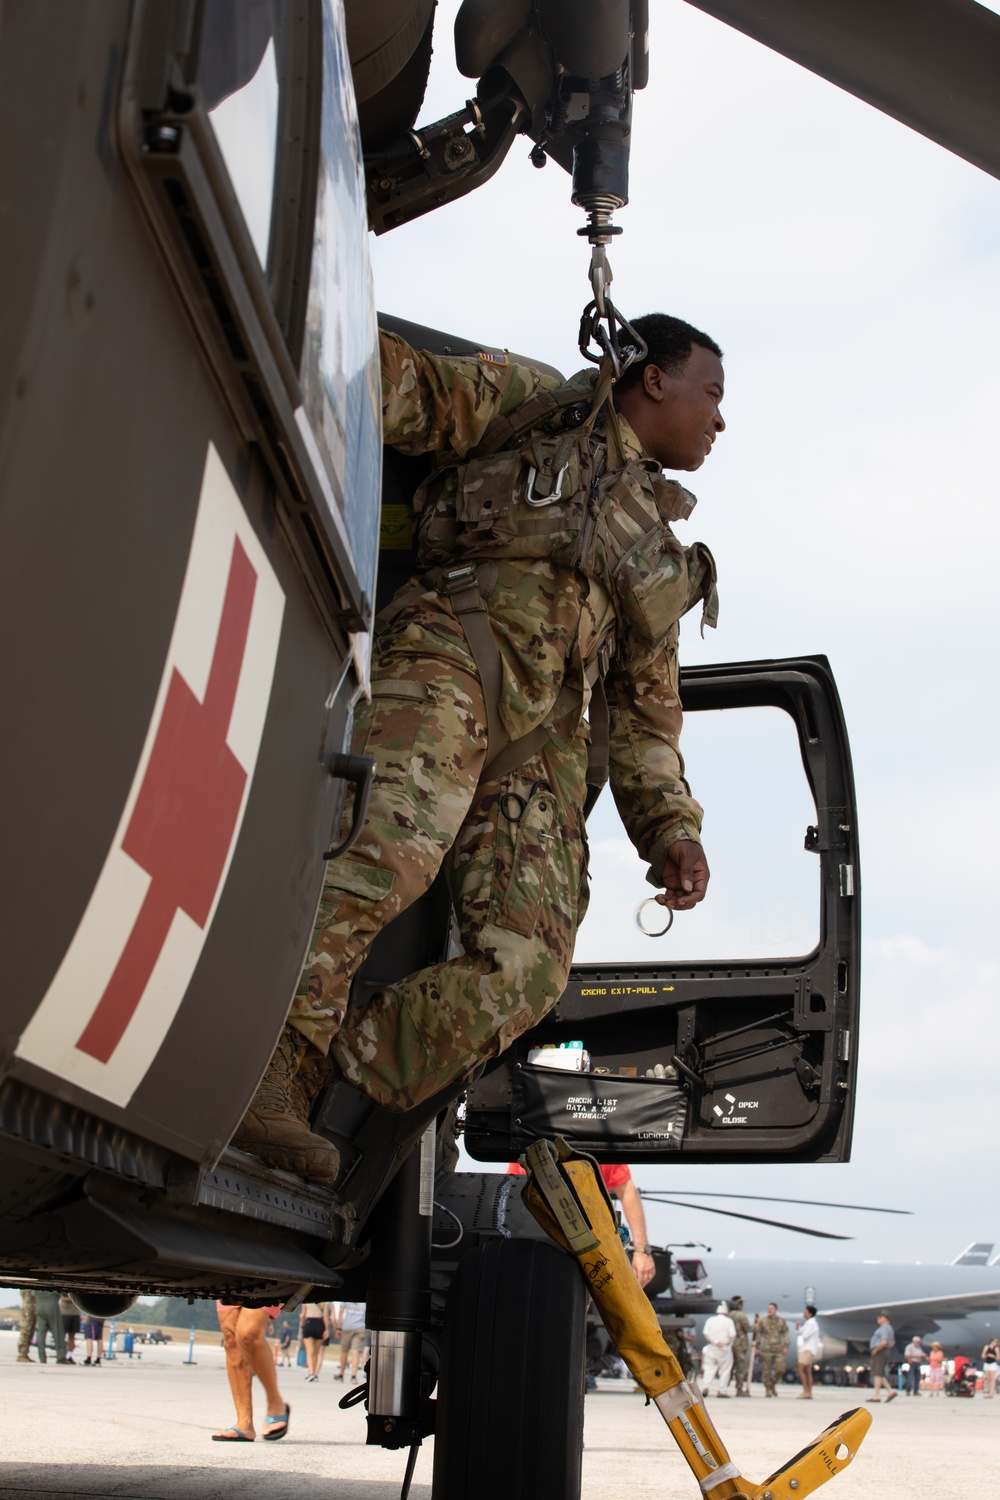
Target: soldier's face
683	417
772	1308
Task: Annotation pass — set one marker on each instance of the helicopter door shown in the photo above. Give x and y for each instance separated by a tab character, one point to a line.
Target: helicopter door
189	495
741	1052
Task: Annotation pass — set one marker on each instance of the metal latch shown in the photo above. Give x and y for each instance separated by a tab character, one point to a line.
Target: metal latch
359	771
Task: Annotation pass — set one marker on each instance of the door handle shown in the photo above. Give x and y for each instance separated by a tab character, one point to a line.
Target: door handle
359	770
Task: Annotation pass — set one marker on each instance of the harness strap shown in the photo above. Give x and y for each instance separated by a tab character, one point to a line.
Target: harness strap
469	585
505	431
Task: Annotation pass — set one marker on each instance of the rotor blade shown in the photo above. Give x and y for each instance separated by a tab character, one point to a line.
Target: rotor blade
731	1213
864	1208
933	64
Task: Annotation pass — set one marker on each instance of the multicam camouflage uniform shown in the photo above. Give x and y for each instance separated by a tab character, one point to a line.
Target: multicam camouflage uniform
29	1316
516	864
741	1351
772	1338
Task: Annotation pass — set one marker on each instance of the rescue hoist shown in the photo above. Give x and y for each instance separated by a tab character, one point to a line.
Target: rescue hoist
601	324
565	1194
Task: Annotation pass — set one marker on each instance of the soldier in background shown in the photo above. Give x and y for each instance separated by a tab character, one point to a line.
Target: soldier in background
49	1320
26	1328
550	584
742	1374
771	1333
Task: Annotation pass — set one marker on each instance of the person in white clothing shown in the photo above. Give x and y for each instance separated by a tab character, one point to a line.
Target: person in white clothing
717	1356
809	1345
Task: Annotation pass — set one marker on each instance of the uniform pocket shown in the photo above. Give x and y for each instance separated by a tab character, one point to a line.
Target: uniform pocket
652	586
485	497
523	850
369	883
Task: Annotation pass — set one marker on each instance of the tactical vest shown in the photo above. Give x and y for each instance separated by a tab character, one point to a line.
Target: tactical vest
543	482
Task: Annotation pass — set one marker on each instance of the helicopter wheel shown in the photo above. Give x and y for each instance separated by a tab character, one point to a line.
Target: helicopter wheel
513	1361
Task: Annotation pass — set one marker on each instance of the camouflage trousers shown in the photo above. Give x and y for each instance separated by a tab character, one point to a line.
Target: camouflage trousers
741	1361
514	856
772	1368
29	1315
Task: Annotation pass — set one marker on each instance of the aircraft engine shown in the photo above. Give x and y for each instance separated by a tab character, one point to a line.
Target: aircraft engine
832	1347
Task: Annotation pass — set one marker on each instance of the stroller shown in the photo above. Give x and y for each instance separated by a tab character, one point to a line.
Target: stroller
963	1378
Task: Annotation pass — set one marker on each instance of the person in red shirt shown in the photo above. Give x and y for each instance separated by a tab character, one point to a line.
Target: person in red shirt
618	1181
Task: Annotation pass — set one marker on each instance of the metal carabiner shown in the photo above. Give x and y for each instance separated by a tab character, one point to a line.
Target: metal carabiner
538	500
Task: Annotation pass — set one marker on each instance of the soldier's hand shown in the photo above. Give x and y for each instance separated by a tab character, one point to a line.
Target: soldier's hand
644	1267
685	875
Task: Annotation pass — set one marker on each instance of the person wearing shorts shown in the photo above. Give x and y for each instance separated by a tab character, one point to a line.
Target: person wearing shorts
314	1326
70	1314
881	1345
353	1337
244	1335
93	1332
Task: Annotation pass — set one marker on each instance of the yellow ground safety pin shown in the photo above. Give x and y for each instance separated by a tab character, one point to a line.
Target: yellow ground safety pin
565	1194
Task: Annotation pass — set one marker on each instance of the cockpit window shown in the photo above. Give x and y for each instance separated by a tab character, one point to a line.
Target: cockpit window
239	80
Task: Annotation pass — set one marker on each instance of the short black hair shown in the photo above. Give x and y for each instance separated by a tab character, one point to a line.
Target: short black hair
810	1309
668	342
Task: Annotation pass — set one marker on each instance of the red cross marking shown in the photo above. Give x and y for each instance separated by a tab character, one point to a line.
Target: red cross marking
185	815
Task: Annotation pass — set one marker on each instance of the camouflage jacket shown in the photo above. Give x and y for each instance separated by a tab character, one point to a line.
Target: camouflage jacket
744	1329
772	1333
547	617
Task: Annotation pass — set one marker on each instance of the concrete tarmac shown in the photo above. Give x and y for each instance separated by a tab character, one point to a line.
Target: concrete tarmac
142	1429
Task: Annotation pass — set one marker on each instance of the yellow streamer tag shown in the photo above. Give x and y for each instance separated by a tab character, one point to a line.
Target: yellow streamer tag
558	1195
396	529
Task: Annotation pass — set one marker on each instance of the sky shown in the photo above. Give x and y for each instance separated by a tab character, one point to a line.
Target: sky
850	271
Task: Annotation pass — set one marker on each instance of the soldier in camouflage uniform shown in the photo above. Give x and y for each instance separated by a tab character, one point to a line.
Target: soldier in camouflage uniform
742	1373
771	1333
26	1328
512	843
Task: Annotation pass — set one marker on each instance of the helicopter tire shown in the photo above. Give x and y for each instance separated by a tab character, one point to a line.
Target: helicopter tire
513	1366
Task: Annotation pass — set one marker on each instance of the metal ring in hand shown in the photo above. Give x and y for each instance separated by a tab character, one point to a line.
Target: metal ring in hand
652	901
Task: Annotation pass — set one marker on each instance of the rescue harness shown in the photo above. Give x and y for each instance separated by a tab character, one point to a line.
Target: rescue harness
542	483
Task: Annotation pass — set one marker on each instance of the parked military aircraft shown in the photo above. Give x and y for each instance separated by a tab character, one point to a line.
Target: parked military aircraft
958	1304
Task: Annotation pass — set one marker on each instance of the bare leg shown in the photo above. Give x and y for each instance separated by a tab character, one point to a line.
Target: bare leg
238	1370
312	1355
251	1337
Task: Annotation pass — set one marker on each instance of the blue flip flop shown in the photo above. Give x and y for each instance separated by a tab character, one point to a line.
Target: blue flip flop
239	1436
272	1437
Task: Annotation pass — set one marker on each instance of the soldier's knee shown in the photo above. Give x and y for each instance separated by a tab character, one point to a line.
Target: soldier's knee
527	980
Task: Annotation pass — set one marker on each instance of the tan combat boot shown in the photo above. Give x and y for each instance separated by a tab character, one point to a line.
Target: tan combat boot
275	1128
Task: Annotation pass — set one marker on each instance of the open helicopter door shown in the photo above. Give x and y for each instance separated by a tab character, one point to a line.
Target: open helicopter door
710	1059
189	496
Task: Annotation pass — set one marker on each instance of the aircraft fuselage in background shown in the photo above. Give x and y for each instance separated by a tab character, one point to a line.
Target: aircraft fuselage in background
958	1305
